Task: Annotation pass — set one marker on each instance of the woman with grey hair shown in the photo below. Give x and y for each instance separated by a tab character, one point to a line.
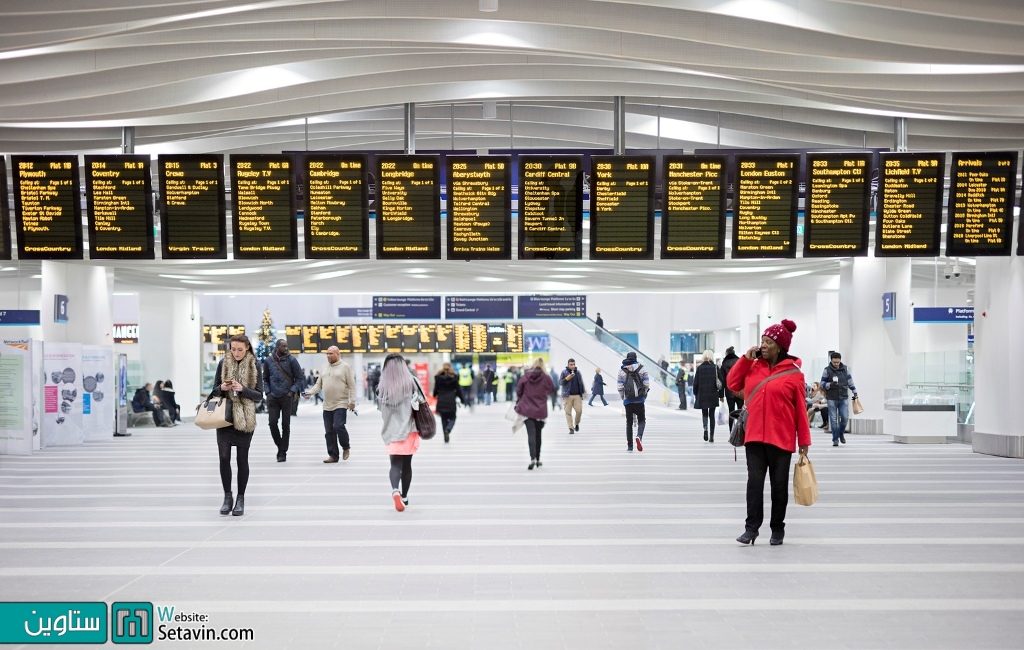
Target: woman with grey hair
708	392
398	396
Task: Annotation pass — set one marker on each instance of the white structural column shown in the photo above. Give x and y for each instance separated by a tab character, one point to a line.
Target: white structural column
170	343
875	350
998	350
90	312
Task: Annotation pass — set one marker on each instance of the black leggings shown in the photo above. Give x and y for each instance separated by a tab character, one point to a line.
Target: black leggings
708	414
447	422
242	456
401	470
533	430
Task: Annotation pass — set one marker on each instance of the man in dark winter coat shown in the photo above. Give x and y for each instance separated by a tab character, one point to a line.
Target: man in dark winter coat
283	382
837	382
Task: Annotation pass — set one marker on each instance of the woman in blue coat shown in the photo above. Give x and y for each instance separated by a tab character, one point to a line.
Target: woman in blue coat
597	388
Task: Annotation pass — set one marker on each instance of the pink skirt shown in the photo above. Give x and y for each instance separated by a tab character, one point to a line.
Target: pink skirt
406	447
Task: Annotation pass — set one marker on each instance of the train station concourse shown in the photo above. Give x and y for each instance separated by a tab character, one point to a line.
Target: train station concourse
398	324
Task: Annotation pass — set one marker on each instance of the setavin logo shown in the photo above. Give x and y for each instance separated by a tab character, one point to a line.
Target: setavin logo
131	622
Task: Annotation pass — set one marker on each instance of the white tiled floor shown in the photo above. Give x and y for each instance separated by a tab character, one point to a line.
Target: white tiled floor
909	546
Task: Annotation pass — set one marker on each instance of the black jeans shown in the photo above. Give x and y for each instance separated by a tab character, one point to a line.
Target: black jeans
682	396
734	404
763	458
335	431
635	409
533	429
280	406
242	457
708	414
447	423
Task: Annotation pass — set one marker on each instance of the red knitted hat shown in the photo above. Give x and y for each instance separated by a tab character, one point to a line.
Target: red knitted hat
781	333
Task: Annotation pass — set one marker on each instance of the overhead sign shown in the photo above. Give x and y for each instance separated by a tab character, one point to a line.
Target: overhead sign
407	306
492	307
554	306
20	317
943	314
355	312
889	305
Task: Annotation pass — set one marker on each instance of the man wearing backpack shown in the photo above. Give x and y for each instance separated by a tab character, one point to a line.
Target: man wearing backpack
633	384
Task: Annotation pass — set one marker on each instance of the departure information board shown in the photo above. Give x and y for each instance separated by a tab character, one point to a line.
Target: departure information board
765	212
336	222
836	209
408	207
693	207
263	207
479	193
47	211
5	217
550	207
192	215
909	204
980	211
622	207
408	338
118	199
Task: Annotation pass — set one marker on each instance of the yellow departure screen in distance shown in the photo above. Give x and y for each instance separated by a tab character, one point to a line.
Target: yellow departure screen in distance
263	207
982	187
622	207
118	199
479	197
47	211
408	207
693	207
836	206
5	238
550	207
765	206
193	222
909	204
336	221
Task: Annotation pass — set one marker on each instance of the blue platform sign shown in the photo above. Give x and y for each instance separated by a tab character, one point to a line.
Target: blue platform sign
944	315
19	317
482	307
407	307
889	305
355	312
553	306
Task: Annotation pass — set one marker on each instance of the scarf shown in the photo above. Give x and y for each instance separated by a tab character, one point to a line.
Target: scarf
243	409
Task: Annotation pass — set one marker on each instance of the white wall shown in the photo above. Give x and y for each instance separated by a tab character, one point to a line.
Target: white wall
170	342
925	337
90	315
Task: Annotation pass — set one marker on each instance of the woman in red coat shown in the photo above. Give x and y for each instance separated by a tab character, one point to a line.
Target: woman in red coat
776	422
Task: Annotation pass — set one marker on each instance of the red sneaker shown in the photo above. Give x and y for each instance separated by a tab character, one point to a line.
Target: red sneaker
399	506
639	445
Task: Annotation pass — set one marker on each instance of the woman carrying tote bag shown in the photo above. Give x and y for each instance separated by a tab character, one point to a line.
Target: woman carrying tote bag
239	380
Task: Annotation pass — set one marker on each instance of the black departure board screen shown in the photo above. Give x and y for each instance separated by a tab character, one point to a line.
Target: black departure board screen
909	204
263	207
193	224
47	211
479	196
445	334
980	210
118	199
622	207
836	210
337	224
5	217
693	207
765	212
550	207
408	207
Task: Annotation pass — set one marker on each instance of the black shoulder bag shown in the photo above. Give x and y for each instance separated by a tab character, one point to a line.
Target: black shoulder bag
738	433
426	425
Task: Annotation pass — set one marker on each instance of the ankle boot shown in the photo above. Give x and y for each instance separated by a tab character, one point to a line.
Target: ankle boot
239	506
228	502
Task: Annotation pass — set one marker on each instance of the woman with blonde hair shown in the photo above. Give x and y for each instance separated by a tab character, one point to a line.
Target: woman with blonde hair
398	396
238	379
708	392
446	390
533	391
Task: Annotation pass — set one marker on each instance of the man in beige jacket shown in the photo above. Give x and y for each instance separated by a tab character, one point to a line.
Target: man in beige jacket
338	384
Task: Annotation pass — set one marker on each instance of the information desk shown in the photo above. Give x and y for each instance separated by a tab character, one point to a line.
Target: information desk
479	197
693	207
118	199
909	204
622	207
766	203
550	207
836	212
192	213
337	224
408	207
5	217
263	207
979	219
47	210
914	417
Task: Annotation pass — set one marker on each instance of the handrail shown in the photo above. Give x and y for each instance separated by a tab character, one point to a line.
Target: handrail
665	378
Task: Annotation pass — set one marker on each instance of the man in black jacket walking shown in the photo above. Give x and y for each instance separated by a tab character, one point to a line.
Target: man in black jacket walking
283	381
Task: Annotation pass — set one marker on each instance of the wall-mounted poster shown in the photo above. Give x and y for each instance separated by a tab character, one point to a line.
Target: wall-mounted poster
98	391
15	398
62	395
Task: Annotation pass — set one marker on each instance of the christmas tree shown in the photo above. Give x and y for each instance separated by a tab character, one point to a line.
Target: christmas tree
265	337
